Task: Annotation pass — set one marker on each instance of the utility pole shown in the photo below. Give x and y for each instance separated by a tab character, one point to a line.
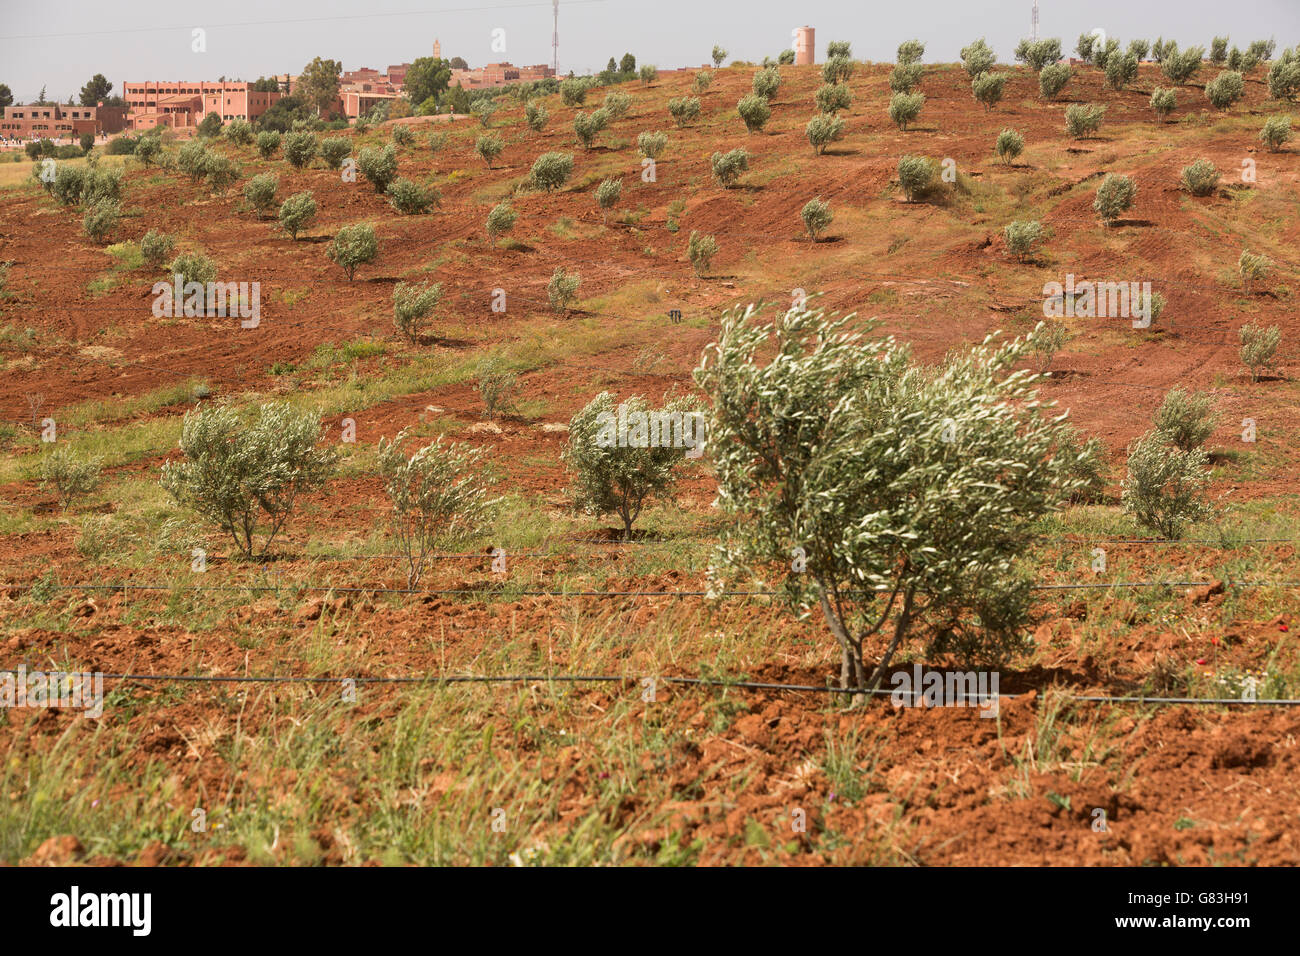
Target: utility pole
555	39
1035	20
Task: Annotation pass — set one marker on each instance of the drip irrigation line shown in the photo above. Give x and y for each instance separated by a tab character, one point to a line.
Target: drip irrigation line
509	595
637	679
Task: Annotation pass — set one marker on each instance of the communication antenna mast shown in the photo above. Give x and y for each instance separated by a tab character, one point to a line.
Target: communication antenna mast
1035	20
555	38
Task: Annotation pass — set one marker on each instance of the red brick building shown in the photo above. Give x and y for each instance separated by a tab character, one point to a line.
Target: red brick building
56	121
185	103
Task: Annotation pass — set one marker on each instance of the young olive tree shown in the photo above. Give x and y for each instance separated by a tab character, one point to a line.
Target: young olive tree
617	474
1185	419
412	306
379	166
1009	145
904	108
700	250
988	87
551	171
439	497
816	217
608	194
1115	196
900	491
353	246
1258	347
500	220
1164	488
824	129
247	478
1163	102
1053	78
297	213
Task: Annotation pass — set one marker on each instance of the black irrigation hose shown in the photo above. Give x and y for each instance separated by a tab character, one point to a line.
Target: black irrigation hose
684	681
537	592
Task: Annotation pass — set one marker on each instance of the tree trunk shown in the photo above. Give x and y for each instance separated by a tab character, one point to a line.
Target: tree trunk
900	630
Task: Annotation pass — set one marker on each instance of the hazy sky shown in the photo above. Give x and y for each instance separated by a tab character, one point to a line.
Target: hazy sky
61	44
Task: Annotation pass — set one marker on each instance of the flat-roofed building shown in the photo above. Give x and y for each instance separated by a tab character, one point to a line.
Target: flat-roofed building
184	103
60	121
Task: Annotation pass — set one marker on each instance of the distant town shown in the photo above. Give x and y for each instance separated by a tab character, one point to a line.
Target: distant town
184	105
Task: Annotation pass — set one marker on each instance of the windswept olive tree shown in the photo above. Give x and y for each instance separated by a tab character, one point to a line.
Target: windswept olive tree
618	474
246	478
882	491
439	496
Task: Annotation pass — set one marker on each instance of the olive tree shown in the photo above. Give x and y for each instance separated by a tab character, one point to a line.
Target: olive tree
1276	132
831	98
904	108
1083	119
246	478
618	474
766	82
1181	67
607	195
1009	145
1163	102
1225	89
684	109
156	248
651	145
412	306
379	166
816	217
1252	267
297	213
352	246
1115	196
754	111
1121	70
299	148
916	176
837	69
880	490
903	78
977	58
587	125
1185	419
439	497
728	167
562	290
410	198
334	150
988	87
910	51
823	130
1258	347
501	220
1164	488
1201	178
268	141
489	146
1022	236
536	115
551	171
260	192
1052	79
700	250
